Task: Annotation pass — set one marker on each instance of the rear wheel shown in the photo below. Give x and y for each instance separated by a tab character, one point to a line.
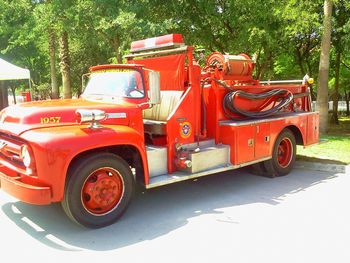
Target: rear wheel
258	169
98	190
283	155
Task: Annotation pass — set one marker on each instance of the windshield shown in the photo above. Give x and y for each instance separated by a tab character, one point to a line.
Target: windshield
115	82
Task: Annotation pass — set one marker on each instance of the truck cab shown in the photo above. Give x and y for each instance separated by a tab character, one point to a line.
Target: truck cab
156	120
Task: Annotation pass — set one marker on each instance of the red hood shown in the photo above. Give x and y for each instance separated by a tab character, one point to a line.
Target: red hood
22	117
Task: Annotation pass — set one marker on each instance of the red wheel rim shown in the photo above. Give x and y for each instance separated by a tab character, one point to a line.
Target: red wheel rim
102	191
285	152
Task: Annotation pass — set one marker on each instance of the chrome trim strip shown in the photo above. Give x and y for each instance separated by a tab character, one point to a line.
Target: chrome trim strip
281	81
182	176
116	115
251	122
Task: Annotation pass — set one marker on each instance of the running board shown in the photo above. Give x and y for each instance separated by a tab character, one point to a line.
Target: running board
179	176
182	176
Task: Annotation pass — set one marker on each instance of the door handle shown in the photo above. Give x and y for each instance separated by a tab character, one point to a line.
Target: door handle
250	142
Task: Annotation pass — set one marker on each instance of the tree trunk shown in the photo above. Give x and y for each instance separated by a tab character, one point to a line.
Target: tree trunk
3	95
309	68
65	65
116	46
52	53
336	88
300	61
13	91
322	92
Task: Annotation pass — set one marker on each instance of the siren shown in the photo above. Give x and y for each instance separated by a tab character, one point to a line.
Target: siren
90	116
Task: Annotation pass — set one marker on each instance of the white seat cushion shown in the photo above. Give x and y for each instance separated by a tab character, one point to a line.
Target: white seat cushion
156	117
160	112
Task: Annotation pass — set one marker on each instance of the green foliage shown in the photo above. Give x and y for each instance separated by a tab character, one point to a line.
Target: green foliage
18	40
284	36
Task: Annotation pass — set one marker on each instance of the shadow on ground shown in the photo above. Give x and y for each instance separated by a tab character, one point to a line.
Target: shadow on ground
319	160
157	212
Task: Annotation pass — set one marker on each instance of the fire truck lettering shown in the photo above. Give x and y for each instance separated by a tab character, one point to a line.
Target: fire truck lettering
46	120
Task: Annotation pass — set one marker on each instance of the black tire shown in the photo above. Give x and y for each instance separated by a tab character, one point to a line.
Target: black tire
258	169
282	163
98	190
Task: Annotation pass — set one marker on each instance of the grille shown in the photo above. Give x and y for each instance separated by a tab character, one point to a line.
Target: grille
10	149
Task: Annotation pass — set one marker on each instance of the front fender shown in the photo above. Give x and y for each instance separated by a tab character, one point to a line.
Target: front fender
54	149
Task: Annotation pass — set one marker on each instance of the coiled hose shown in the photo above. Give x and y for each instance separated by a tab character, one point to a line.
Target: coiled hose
233	112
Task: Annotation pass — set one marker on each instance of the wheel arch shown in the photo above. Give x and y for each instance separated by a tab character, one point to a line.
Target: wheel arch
127	152
297	134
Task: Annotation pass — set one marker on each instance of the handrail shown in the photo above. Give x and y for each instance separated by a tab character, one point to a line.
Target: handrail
268	82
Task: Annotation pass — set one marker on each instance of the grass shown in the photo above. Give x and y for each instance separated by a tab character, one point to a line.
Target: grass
333	148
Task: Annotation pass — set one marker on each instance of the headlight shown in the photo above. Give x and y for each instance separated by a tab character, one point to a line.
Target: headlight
25	155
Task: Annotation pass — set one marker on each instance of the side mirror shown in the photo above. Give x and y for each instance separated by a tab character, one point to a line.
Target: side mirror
154	87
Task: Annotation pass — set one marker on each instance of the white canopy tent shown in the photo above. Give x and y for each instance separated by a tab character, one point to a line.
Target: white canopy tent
9	71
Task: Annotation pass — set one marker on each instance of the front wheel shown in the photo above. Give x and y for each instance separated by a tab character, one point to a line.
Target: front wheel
283	155
98	190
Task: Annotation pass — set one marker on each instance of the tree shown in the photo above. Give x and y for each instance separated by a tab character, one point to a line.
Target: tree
116	24
52	53
340	42
46	26
322	92
345	73
65	65
285	36
19	42
252	27
3	95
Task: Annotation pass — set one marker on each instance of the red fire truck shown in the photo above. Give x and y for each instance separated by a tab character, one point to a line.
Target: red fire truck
158	119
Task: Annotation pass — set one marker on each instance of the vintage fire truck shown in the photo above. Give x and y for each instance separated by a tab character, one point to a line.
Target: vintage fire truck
156	120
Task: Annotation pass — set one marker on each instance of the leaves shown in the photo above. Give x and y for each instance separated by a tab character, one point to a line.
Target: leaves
283	35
